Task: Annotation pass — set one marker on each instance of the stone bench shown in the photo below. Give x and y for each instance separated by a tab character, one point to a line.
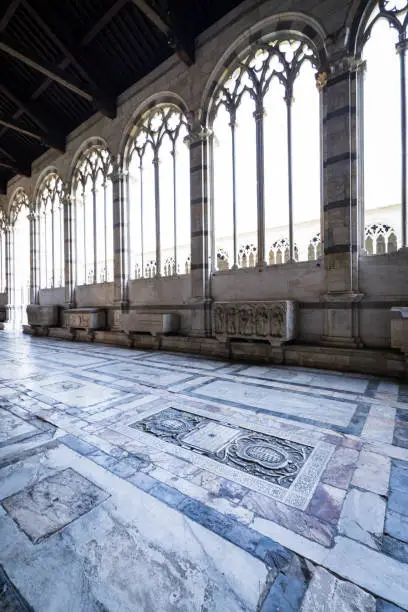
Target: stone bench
89	319
274	321
150	322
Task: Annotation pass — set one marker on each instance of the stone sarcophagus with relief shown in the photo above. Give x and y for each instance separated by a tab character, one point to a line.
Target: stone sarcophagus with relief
274	321
89	319
43	316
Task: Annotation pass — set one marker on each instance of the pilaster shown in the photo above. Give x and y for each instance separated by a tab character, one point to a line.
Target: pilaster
69	249
340	203
200	227
10	285
120	236
33	219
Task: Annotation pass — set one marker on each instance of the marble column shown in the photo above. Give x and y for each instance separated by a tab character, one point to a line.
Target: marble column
199	211
341	210
33	219
69	249
120	244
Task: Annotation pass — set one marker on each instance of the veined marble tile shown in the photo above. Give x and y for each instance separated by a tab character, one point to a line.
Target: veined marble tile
372	472
379	427
13	428
324	380
72	391
292	404
144	374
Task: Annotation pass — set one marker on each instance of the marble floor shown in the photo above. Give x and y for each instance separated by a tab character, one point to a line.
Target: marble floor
139	481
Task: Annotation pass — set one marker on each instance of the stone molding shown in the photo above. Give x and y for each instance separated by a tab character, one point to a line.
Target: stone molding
274	321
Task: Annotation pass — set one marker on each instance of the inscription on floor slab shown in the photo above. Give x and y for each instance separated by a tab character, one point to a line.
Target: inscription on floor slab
53	503
280	468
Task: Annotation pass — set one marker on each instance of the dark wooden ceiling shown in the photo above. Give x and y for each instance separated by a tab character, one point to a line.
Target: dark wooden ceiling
62	60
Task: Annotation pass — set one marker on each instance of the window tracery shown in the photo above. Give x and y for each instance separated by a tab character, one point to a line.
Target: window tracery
382	45
380	238
264	115
51	231
92	187
159	193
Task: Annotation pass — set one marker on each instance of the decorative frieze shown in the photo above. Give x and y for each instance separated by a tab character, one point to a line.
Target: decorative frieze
89	319
42	316
274	321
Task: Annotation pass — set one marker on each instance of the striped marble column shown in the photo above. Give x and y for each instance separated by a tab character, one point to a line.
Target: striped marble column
34	257
199	211
69	249
120	239
341	212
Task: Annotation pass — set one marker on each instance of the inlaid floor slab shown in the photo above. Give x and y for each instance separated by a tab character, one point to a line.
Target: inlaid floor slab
141	480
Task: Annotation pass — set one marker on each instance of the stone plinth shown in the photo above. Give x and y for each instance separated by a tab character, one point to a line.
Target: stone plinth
150	323
274	321
399	329
42	316
89	319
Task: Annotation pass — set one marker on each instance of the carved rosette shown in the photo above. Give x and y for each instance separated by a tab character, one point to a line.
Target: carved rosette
274	321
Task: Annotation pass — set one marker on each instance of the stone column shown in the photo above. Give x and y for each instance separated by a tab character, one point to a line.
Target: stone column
69	249
33	218
120	244
199	211
341	239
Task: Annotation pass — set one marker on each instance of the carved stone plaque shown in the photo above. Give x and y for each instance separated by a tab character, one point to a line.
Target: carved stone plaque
274	321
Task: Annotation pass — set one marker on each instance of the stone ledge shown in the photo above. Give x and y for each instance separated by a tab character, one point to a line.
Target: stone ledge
366	361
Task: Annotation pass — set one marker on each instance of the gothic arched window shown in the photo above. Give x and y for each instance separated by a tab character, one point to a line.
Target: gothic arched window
265	122
51	221
2	253
92	187
19	257
382	45
158	164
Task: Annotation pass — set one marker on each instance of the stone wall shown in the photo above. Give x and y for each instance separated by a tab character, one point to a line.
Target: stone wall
344	298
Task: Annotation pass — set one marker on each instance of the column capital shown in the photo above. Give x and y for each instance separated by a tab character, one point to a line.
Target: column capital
344	63
33	215
118	173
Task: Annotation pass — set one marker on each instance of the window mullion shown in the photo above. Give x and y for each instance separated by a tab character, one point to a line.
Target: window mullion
52	245
84	236
175	205
157	206
141	217
234	188
106	246
260	182
402	52
288	100
95	252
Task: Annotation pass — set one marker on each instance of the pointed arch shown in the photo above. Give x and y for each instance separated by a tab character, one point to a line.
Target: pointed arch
157	169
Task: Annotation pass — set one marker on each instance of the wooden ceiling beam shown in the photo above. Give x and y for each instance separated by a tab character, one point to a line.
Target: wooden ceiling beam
104	100
16	168
55	138
11	9
166	23
16	126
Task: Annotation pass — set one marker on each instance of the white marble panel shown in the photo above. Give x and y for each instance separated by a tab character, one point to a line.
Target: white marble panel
326	380
144	374
69	390
329	411
13	428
